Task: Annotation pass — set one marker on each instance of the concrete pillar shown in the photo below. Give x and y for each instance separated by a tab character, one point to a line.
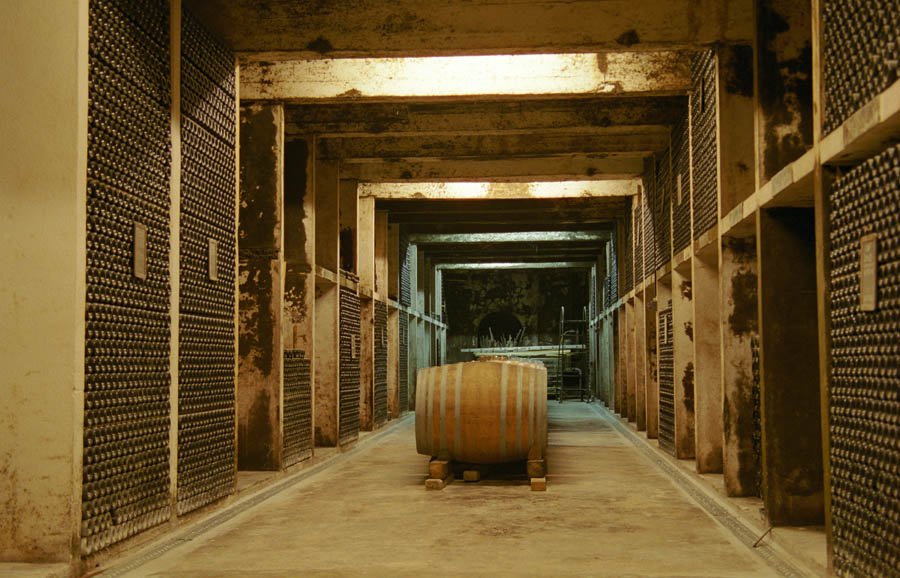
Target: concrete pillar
327	363
740	329
736	115
683	362
327	316
327	214
423	344
630	409
299	243
709	435
414	329
42	297
381	255
300	250
621	354
366	270
789	364
261	306
393	291
640	361
611	359
655	298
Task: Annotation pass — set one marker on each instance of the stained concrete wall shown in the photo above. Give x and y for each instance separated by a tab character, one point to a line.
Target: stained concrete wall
43	156
708	356
740	327
784	83
533	296
640	362
259	393
658	296
683	360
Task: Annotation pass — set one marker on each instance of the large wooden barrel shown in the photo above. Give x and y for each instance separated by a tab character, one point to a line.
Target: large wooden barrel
482	412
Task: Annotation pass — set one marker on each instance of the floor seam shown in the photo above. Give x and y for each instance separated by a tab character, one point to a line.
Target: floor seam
744	533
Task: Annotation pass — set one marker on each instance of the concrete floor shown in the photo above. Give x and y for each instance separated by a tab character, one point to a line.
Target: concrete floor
608	512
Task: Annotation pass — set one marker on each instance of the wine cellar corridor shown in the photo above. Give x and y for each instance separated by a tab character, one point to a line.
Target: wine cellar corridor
258	254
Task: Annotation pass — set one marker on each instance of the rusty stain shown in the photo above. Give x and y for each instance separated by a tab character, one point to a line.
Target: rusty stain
803	481
399	23
347	250
259	169
255	443
743	319
737	80
785	87
257	319
295	190
738	427
689	330
687	386
320	45
629	38
687	290
602	63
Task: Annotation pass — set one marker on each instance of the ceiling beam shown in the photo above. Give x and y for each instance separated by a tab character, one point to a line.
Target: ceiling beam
368	28
603	213
445	118
489	260
475	190
536	265
521	237
570	253
638	143
476	228
526	76
520	169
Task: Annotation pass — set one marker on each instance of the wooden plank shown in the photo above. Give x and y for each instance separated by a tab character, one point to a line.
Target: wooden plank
445	27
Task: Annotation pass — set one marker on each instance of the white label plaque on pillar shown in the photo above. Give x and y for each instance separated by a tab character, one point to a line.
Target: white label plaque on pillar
868	272
140	250
213	260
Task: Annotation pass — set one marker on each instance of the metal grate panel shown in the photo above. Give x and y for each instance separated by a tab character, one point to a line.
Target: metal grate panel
403	378
865	371
861	54
349	365
703	139
405	273
637	227
206	397
125	458
381	354
681	180
629	247
649	223
661	210
666	382
298	441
